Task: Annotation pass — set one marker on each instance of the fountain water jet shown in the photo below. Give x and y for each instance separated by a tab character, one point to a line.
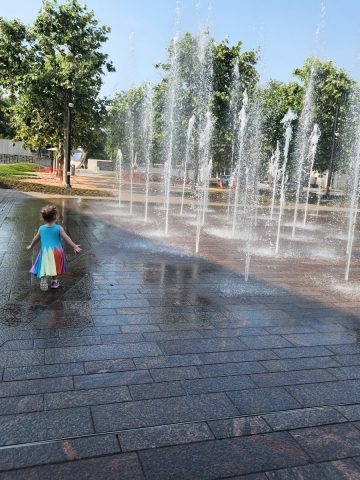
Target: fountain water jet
171	122
234	106
287	120
205	167
237	171
305	123
274	173
119	161
130	132
202	203
354	202
205	125
147	137
251	199
314	139
133	167
318	199
189	144
206	182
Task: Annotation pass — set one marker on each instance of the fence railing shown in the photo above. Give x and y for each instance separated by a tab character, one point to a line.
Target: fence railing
7	158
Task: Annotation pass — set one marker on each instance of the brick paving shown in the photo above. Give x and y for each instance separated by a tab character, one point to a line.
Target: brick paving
151	363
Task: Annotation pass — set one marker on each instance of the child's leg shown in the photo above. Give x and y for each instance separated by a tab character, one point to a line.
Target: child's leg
55	282
43	284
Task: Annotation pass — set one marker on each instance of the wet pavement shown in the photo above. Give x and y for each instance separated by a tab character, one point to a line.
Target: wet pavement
152	363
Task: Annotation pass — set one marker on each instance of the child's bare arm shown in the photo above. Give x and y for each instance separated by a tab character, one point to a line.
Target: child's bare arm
35	240
68	240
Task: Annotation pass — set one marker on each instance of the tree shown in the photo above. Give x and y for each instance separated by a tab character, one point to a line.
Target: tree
124	124
5	128
277	99
189	99
332	87
225	58
46	65
331	92
158	106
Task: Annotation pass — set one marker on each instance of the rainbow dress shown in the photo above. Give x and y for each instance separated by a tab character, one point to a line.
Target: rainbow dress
51	259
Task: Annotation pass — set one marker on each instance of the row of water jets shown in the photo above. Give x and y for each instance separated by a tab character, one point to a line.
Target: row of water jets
245	122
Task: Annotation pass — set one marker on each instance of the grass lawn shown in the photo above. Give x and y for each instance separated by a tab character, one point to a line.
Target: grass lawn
24	168
11	176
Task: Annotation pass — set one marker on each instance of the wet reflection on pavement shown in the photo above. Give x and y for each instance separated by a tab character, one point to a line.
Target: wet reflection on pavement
149	355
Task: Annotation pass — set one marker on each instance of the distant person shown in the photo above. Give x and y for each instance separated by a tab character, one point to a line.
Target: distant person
51	260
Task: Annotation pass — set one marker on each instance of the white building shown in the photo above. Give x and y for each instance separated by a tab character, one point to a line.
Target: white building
339	180
8	147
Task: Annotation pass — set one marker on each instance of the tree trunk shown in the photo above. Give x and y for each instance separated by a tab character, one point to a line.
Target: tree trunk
59	159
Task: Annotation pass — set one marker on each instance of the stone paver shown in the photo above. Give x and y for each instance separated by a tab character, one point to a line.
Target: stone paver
306	417
338	470
165	435
152	363
112	467
221	458
58	451
329	442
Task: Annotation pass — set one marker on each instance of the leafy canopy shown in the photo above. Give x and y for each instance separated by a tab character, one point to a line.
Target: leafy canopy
331	95
60	52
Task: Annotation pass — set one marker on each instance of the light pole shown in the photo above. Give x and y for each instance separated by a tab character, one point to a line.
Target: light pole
67	172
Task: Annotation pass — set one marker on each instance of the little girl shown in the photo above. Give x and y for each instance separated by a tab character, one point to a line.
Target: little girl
51	259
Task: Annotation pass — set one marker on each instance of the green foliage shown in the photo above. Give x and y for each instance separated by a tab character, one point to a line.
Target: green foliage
41	63
124	124
225	58
158	109
277	99
331	90
6	131
189	94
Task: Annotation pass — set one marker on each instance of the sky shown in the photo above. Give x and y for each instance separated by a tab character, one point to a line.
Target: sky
285	31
